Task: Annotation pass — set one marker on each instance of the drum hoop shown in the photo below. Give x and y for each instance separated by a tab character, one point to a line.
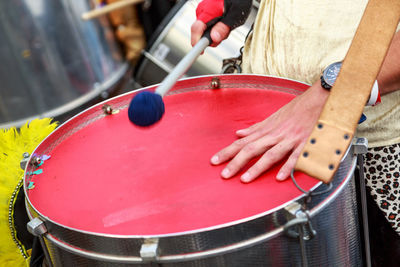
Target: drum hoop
180	87
120	102
196	255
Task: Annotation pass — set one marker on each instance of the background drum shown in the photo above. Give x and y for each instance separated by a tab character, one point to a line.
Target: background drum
171	42
103	192
53	62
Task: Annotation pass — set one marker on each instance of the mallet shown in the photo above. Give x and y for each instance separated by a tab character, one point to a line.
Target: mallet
146	108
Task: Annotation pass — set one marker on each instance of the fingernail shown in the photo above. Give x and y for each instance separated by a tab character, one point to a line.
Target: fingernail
245	177
242	131
225	173
216	36
215	160
280	176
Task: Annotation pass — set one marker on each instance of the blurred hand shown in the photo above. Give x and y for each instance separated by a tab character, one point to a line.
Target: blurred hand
219	32
282	134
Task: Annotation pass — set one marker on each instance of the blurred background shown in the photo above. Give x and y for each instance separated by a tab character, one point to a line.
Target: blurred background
58	57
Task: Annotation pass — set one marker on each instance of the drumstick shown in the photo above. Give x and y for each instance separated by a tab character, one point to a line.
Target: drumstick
146	108
108	8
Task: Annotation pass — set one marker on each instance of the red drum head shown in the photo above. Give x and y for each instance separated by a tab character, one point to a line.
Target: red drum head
109	176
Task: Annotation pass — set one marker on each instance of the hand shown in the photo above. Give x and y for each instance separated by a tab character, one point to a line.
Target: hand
219	32
283	133
232	14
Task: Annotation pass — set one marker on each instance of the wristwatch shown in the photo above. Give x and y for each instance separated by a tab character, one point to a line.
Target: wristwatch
330	74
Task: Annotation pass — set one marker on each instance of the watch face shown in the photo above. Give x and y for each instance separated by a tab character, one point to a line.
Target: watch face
331	72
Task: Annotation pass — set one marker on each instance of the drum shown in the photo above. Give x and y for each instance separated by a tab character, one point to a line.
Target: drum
54	63
103	192
171	42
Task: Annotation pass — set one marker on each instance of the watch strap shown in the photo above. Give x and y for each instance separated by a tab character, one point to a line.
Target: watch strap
324	84
337	123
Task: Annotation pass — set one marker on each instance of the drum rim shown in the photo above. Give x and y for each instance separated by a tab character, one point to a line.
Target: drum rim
34	212
106	86
160	32
196	253
166	24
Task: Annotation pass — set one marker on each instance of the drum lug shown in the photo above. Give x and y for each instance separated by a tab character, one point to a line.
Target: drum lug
36	227
25	158
215	83
292	209
36	161
300	225
24	161
149	249
360	146
108	110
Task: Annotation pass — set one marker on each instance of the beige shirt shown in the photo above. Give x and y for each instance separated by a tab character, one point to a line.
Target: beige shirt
298	39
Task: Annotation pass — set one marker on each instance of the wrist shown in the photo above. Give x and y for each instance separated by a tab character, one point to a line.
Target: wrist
314	97
319	92
330	74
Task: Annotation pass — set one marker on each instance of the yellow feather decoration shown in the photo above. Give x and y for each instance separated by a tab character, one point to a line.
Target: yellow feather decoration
13	143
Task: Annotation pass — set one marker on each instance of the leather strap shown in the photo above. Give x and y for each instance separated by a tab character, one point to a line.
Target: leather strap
337	123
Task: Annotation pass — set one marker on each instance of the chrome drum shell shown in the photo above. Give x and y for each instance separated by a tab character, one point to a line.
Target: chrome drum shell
53	62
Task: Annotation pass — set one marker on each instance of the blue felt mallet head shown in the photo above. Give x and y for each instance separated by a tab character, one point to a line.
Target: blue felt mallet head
146	108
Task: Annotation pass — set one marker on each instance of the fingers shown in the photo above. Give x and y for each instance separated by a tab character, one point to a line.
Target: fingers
230	151
245	149
197	30
248	152
284	132
270	157
219	32
286	169
247	131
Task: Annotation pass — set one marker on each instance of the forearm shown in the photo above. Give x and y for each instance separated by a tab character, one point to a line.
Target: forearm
389	76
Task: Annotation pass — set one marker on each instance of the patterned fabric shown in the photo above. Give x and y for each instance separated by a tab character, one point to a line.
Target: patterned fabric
382	173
